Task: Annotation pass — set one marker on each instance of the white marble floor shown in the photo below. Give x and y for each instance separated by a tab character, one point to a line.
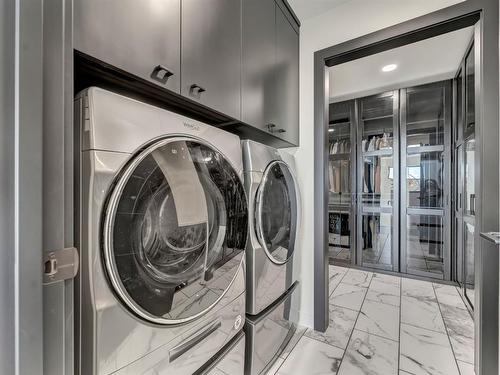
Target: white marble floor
383	325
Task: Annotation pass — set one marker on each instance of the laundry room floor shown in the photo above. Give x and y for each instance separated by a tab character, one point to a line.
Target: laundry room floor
382	325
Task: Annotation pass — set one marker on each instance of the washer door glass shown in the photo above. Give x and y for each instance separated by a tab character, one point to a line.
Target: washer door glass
174	230
276	212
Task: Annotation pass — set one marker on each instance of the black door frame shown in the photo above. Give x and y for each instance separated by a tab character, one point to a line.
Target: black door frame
468	13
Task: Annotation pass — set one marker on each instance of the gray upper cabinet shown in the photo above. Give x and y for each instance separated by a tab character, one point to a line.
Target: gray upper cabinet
211	54
238	57
270	73
258	96
140	37
287	79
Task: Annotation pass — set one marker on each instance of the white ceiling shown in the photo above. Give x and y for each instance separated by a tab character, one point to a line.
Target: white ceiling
427	61
310	8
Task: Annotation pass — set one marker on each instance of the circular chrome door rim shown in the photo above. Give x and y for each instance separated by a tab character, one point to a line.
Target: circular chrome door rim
110	212
258	213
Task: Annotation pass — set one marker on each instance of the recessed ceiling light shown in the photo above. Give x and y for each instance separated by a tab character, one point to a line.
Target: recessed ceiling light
389	68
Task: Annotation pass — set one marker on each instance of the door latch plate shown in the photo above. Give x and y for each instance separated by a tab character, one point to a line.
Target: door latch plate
60	265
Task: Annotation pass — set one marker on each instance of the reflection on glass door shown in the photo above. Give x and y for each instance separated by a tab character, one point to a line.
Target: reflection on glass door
465	210
341	133
458	228
425	167
469	220
378	181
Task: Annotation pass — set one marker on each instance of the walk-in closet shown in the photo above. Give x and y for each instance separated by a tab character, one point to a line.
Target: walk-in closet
401	175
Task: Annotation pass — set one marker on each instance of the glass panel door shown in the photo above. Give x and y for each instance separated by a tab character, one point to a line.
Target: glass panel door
465	194
378	181
341	137
469	219
470	104
458	237
425	141
469	261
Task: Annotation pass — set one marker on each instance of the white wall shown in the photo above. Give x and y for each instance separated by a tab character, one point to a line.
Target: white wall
349	20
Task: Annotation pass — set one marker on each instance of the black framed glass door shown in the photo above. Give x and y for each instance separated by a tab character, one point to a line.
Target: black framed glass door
465	177
342	183
426	174
377	184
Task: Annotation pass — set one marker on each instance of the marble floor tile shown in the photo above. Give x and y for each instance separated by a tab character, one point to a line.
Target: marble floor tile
349	296
379	319
337	269
370	355
358	278
460	327
313	358
466	368
390	279
450	297
426	352
336	274
422	312
385	287
445	289
299	332
417	288
275	367
216	371
339	330
367	319
381	297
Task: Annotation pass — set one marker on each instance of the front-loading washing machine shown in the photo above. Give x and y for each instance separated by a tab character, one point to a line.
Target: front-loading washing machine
162	227
272	293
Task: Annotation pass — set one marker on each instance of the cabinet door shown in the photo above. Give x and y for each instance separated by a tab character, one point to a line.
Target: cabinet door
140	37
211	53
259	89
287	79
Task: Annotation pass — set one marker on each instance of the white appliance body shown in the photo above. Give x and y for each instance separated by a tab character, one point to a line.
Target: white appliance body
273	209
154	320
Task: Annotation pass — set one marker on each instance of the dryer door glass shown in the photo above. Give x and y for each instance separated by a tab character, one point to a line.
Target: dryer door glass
175	230
276	212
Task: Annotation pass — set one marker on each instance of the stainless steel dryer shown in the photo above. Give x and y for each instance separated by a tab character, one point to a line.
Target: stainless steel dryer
162	214
272	289
273	211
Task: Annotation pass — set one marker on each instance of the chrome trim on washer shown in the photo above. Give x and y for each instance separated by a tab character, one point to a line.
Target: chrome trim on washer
258	204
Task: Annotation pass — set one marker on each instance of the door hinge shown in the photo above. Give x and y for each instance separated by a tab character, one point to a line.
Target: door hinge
60	265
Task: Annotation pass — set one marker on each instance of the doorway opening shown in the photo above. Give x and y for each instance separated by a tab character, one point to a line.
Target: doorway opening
402	141
391	205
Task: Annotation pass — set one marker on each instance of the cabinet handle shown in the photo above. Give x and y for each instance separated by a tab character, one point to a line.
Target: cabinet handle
196	90
270	127
281	130
157	76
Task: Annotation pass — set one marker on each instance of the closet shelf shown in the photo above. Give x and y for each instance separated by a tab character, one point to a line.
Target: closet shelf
378	118
425	121
387	152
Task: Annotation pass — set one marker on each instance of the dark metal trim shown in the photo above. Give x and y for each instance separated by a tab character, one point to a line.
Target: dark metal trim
445	20
290	11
